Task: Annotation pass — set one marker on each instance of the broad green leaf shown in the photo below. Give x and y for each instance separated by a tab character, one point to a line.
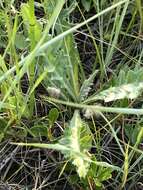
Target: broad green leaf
64	57
105	173
39	131
53	116
99	173
72	139
129	91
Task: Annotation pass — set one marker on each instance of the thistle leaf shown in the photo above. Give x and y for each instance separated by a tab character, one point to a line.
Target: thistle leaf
86	86
74	145
129	91
73	139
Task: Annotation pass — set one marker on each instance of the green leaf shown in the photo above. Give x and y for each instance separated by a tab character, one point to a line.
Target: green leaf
1	136
129	91
53	116
18	101
73	140
37	31
49	7
105	173
39	131
26	15
33	26
20	41
128	76
132	132
86	86
63	56
86	4
100	173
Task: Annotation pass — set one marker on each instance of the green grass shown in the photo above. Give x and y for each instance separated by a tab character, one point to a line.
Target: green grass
67	109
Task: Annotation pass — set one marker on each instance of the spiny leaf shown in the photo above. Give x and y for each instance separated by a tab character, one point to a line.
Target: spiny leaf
72	145
72	139
129	91
86	86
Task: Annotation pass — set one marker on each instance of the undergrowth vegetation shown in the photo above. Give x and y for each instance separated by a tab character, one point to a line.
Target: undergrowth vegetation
71	83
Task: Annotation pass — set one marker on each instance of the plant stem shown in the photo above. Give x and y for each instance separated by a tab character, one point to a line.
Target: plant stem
97	108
